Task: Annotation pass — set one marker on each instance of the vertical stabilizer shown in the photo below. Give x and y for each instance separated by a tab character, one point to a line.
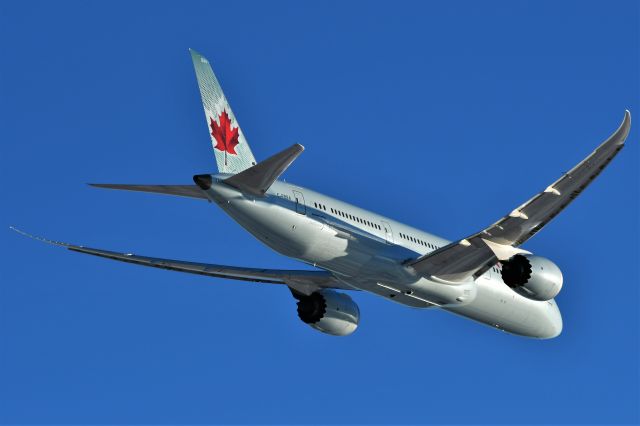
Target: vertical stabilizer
230	147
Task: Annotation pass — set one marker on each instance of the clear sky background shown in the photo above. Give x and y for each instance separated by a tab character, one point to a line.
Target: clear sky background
443	115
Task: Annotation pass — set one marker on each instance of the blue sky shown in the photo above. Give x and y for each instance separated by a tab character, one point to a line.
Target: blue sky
444	115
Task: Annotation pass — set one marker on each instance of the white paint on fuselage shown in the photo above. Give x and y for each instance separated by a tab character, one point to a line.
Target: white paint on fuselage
352	243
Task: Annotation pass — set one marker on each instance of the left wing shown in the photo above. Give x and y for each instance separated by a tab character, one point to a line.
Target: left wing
303	281
475	254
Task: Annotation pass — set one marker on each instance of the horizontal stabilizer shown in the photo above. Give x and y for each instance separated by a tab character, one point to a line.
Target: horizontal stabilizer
256	180
191	191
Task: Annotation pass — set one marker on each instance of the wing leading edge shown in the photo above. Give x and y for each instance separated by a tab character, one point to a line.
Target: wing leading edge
474	255
303	281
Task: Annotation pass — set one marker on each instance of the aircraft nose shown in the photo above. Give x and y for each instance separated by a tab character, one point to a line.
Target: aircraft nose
203	181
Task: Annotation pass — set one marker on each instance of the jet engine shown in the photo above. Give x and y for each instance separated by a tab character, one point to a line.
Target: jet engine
329	312
533	277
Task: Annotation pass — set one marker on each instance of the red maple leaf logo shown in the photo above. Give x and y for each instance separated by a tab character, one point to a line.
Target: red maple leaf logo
226	137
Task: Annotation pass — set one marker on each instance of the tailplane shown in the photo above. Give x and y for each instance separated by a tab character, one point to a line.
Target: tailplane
230	147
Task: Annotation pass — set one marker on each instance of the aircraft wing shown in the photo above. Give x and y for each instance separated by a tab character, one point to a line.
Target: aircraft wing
303	281
180	190
475	254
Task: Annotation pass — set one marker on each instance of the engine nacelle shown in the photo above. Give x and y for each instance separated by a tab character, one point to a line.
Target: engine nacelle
533	277
329	311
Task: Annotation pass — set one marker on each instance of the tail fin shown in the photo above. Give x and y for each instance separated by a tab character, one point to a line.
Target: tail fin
230	147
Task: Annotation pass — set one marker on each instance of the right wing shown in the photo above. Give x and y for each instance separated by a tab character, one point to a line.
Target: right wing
474	255
192	191
303	281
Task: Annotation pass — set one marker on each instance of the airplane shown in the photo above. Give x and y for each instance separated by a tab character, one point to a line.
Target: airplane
486	277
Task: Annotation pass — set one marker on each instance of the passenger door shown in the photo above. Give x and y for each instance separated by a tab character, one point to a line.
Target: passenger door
388	234
299	200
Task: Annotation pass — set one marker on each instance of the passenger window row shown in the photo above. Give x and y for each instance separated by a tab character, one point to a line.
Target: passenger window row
355	218
418	241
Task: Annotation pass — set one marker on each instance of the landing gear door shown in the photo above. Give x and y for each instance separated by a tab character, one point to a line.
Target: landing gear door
388	234
299	200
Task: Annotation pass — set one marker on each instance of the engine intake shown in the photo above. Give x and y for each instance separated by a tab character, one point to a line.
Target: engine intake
533	277
329	312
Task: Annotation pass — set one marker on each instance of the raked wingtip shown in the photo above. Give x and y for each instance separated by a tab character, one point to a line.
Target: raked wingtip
37	238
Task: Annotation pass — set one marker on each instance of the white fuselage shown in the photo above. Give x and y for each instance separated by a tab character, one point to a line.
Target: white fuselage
367	252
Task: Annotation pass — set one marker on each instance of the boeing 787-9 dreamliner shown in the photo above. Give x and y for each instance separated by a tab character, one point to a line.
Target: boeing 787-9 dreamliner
487	277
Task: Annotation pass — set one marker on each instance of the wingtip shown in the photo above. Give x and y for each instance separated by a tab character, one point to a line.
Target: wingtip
14	229
41	239
625	127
